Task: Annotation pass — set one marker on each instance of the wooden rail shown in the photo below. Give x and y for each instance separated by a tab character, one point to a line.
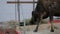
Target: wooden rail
13	2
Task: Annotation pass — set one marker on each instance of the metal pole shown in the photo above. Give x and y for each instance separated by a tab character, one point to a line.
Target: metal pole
18	9
15	25
15	12
24	26
33	4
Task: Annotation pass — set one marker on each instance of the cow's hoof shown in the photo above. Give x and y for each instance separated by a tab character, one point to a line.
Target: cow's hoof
35	30
52	30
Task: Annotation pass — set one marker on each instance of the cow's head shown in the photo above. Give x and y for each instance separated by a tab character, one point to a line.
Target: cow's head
34	17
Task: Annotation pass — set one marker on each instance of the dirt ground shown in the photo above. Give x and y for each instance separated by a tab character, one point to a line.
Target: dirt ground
43	29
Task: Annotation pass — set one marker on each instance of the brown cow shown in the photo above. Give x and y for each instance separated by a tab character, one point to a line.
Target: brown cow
44	9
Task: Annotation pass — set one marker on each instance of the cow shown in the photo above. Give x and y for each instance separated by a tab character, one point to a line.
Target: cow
45	9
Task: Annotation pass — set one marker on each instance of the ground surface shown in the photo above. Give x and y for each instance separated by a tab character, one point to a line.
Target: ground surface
43	29
44	32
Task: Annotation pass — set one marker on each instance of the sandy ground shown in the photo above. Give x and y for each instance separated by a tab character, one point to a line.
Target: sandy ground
43	29
44	32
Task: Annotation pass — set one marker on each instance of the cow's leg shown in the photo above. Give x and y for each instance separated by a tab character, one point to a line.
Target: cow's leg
51	21
38	22
37	25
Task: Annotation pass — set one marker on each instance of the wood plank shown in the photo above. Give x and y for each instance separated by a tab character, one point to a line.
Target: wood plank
13	2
